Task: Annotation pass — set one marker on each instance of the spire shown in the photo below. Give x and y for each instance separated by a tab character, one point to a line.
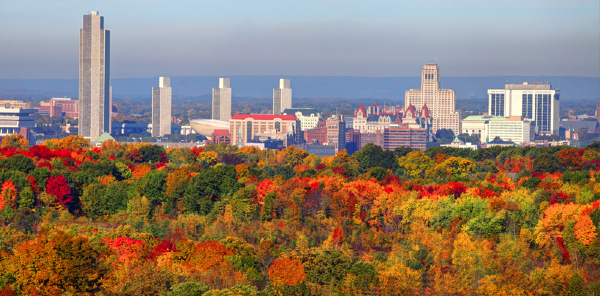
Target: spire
361	108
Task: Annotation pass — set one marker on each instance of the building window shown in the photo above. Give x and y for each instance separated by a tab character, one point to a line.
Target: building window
527	110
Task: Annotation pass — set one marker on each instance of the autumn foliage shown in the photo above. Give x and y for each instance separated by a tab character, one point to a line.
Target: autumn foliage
138	219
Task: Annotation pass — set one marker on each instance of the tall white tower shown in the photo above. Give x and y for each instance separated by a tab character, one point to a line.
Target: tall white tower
94	77
282	97
161	107
221	101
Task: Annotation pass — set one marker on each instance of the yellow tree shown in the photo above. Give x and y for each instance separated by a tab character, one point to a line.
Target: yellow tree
111	147
73	143
14	140
415	163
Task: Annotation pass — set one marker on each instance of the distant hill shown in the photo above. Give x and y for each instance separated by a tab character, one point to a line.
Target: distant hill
303	86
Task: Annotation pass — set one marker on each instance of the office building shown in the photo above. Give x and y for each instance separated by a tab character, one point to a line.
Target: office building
316	135
536	102
441	102
401	135
336	132
221	101
161	107
245	128
18	121
282	97
309	117
15	104
513	129
60	107
94	77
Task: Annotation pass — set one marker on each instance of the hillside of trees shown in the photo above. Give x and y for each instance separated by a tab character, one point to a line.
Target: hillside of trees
222	220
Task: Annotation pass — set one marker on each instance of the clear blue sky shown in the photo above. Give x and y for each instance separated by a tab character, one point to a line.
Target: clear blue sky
40	38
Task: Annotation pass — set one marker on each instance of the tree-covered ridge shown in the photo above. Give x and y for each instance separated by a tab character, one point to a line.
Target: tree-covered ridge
221	220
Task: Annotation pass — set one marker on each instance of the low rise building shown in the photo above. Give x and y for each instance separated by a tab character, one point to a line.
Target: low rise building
221	136
15	104
245	128
318	149
60	107
17	121
513	129
457	143
317	135
401	135
309	117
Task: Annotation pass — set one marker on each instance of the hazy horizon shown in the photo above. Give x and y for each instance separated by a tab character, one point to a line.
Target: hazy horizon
309	38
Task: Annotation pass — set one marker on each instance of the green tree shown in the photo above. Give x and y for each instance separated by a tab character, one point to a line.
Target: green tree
546	163
17	162
152	153
373	156
153	186
209	186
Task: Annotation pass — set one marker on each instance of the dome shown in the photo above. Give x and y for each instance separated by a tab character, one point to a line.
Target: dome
206	127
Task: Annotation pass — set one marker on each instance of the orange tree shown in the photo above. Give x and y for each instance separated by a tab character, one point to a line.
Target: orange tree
55	263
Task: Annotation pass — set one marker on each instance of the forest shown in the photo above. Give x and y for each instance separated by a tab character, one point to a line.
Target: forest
125	219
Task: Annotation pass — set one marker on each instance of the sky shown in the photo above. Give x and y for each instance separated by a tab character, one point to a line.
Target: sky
391	38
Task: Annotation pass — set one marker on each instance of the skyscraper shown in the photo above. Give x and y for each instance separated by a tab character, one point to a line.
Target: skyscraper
221	101
282	97
94	77
161	107
440	102
536	102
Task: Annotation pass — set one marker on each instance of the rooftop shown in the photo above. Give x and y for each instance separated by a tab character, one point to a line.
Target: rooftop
306	112
484	118
263	117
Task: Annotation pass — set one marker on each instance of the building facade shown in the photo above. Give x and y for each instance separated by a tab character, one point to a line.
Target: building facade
221	101
441	102
15	104
246	128
221	136
282	97
94	77
17	121
371	120
336	132
316	135
309	117
161	107
60	107
400	135
458	143
514	129
536	102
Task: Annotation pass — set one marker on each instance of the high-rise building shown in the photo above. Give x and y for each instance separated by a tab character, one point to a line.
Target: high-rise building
536	102
336	132
282	97
161	107
441	102
94	77
221	101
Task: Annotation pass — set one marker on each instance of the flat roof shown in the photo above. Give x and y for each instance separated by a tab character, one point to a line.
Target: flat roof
264	117
484	118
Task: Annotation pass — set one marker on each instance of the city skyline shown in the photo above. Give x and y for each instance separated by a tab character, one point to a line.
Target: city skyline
382	39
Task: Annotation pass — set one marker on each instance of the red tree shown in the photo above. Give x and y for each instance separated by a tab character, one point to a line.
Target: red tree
59	187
